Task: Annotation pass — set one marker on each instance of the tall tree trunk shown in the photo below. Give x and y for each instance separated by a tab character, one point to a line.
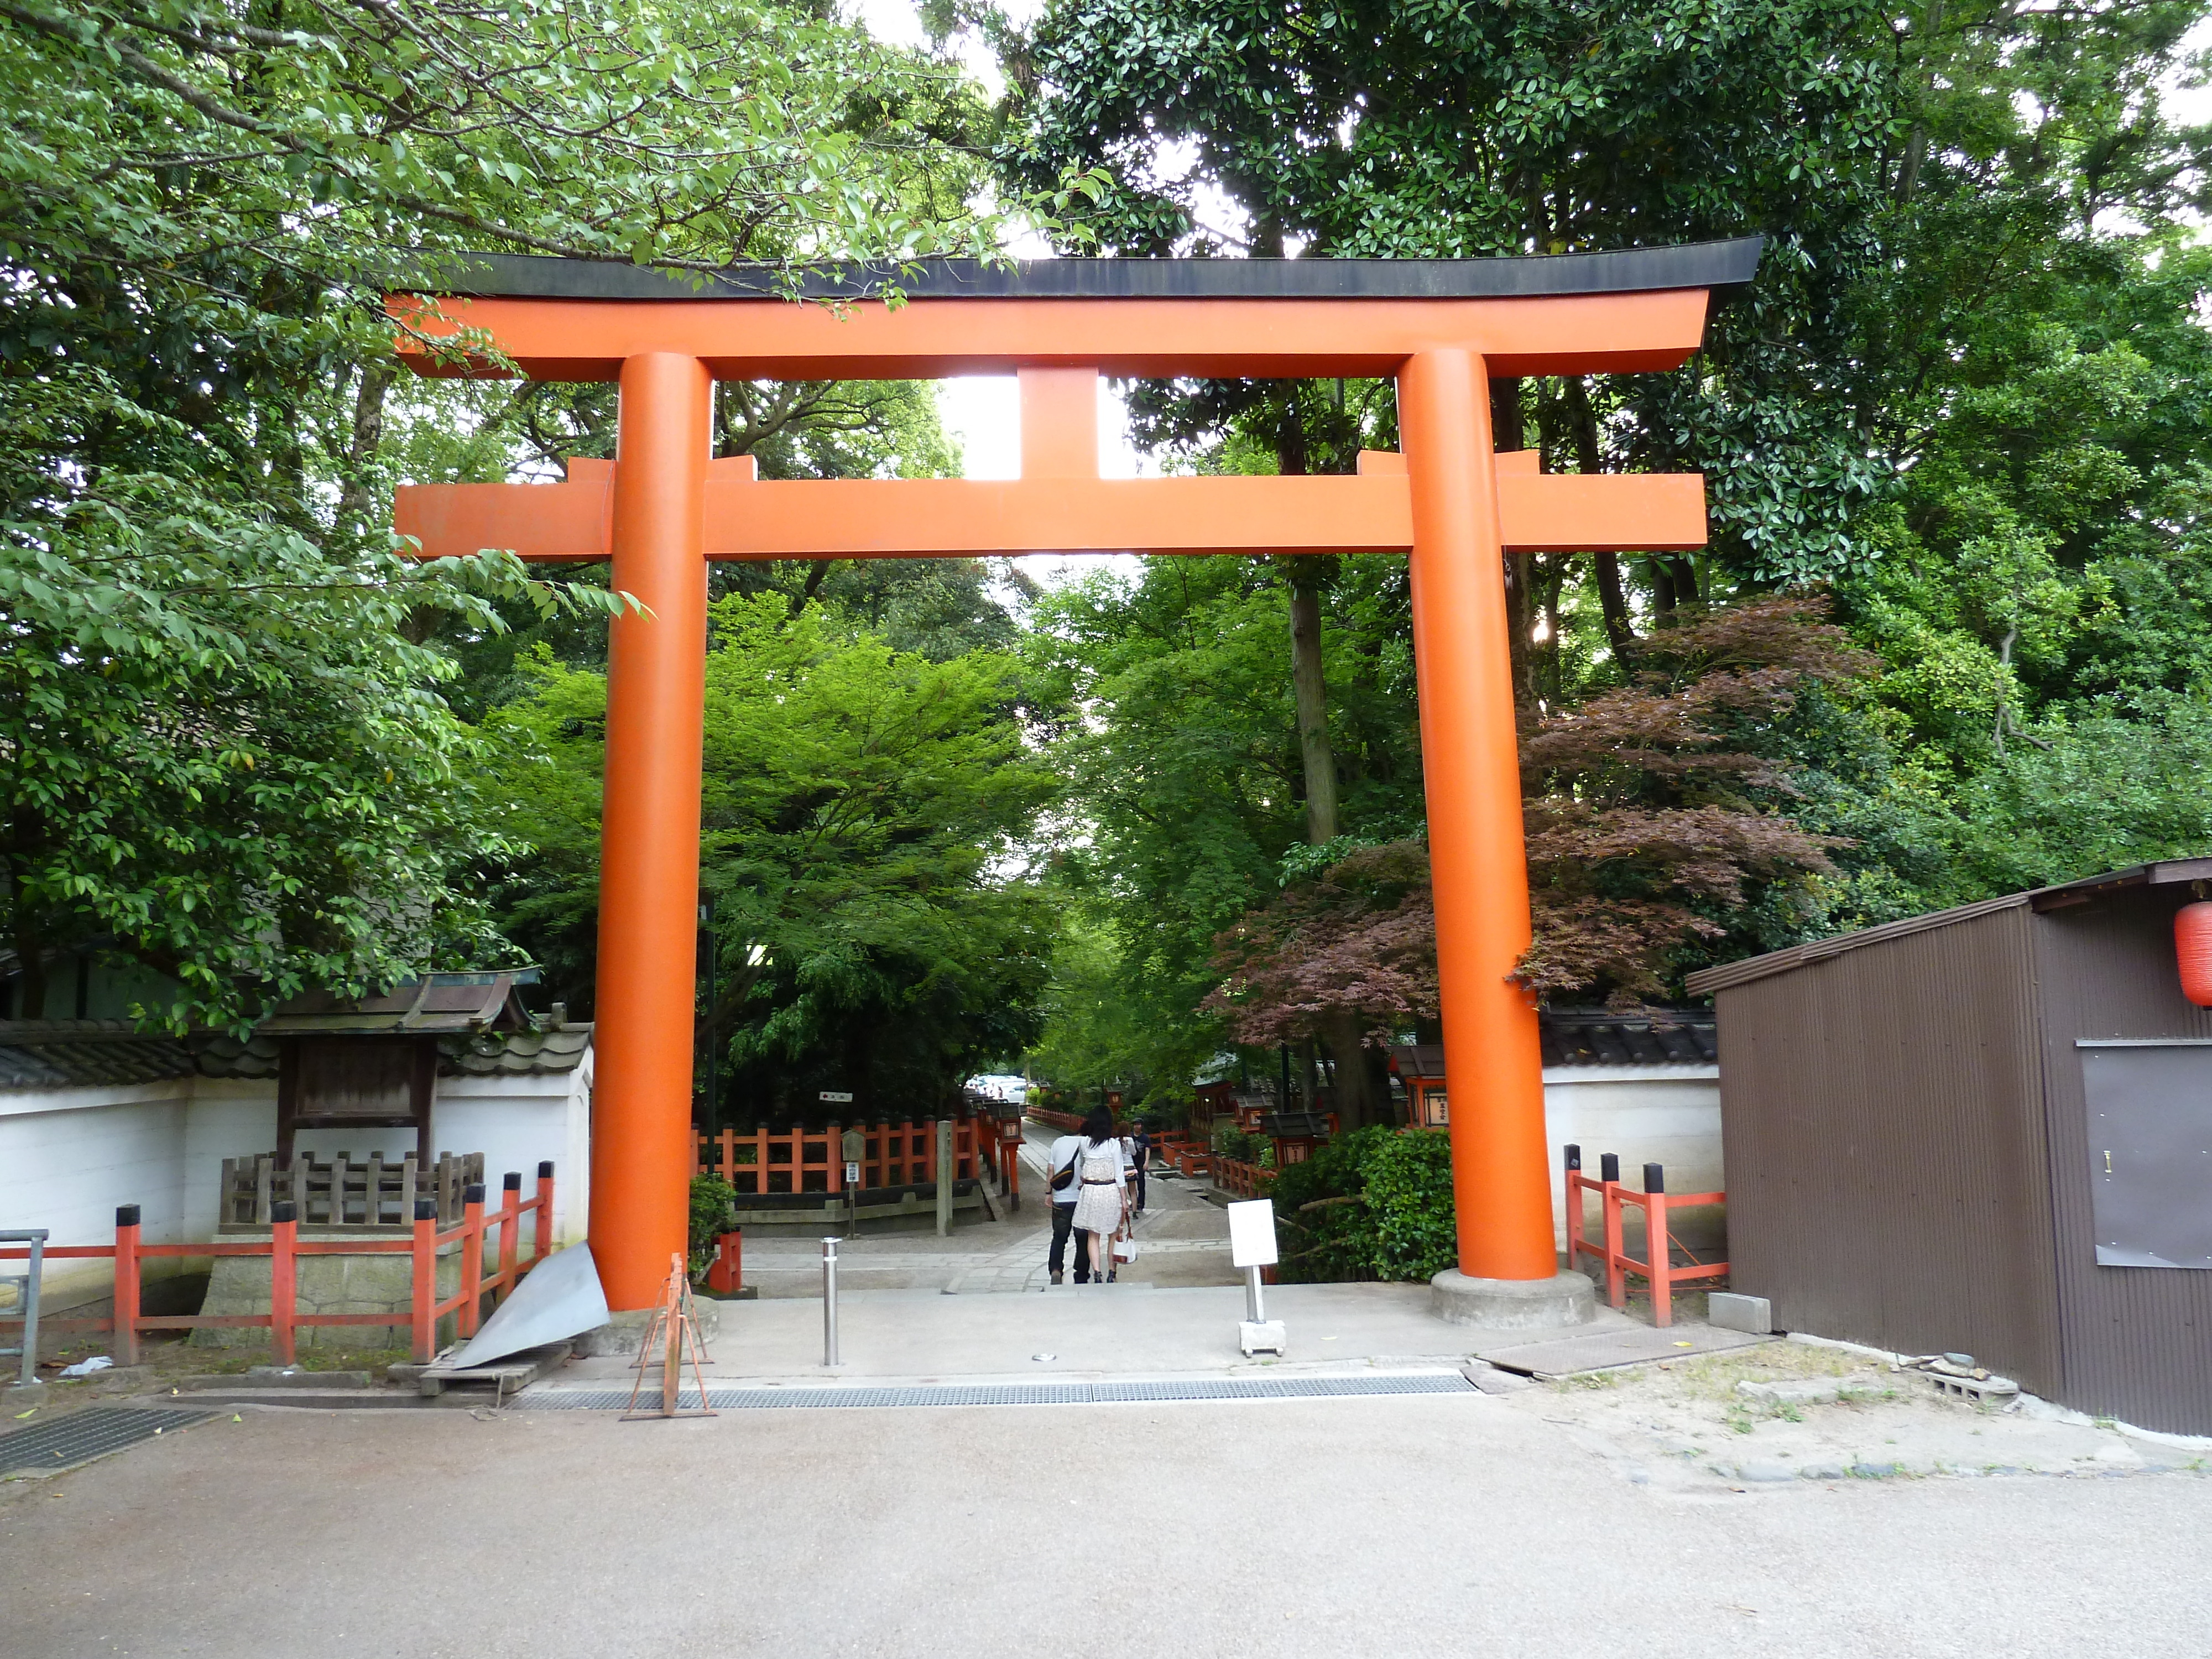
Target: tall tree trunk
1612	598
1309	689
1509	432
1613	602
376	377
1356	1101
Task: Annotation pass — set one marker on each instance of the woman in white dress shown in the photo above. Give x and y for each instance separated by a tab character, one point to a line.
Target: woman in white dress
1102	1205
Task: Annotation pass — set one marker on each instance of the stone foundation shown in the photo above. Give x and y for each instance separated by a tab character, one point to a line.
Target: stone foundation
1513	1304
366	1283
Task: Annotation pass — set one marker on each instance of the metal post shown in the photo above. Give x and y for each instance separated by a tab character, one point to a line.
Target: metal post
36	1239
830	1302
1255	1307
945	1166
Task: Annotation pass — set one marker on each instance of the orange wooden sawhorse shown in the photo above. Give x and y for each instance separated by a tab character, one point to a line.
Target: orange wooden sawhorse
665	505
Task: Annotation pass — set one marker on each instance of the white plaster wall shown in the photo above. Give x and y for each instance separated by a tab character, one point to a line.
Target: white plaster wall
1669	1114
230	1117
70	1157
515	1121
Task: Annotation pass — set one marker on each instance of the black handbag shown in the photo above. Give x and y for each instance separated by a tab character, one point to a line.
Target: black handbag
1065	1178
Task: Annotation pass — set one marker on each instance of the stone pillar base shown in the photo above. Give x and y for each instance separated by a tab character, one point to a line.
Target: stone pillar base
1513	1304
625	1332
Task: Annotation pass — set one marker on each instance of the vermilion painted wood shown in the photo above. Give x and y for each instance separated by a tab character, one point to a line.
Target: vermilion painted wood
923	518
422	1289
1059	424
470	1299
649	885
283	1290
1470	749
932	339
1657	1268
127	1282
664	508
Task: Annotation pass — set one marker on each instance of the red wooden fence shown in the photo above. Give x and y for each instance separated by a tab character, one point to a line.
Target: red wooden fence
284	1247
1657	1266
813	1160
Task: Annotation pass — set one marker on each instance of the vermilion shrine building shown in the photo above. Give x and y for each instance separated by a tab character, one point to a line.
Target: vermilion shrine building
665	506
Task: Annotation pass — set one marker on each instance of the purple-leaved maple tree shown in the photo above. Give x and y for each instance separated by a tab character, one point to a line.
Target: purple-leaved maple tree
1655	813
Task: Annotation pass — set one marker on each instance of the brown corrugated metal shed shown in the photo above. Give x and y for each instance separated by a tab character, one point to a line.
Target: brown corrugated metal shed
1912	1161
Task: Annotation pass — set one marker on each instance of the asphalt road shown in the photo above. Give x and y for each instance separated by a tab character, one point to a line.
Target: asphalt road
1454	1525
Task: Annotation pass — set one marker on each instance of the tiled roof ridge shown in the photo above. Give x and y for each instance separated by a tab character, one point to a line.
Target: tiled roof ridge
62	1053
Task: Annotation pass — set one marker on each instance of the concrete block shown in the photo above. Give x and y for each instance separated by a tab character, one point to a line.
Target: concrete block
625	1331
1513	1304
1732	1311
1490	1380
1265	1337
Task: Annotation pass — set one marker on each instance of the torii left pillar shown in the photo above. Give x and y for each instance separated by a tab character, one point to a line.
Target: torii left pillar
641	1155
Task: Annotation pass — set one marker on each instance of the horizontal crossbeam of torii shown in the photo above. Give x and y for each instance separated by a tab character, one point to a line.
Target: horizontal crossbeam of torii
665	506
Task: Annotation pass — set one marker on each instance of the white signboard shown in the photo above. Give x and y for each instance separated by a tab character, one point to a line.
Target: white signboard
835	1098
1252	1233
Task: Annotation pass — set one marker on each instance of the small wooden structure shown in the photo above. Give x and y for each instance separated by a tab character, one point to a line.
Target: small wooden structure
372	1062
1984	1129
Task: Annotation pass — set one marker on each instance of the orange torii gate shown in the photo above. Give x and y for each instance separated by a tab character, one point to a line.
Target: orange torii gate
664	506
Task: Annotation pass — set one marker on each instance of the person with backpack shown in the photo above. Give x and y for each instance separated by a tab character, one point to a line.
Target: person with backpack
1067	1187
1102	1208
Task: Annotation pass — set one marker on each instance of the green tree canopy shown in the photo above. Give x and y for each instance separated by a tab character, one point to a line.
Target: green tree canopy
866	814
227	752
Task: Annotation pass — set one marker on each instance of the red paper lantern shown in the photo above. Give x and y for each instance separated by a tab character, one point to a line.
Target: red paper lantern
2192	950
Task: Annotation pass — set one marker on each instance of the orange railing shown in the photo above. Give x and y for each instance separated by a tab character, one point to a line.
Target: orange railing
813	1161
1242	1180
284	1247
1657	1266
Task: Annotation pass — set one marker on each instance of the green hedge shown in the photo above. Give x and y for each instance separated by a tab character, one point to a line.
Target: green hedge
1383	1202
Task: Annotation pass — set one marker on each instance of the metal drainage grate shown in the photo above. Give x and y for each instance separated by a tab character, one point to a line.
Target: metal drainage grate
1010	1394
83	1436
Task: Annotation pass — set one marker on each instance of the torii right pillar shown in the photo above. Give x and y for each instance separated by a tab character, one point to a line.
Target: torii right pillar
1509	1275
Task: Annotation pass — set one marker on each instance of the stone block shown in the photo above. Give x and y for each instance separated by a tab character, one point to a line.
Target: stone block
369	1284
1732	1311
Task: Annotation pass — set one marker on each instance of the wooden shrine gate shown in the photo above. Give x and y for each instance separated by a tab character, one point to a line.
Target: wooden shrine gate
664	506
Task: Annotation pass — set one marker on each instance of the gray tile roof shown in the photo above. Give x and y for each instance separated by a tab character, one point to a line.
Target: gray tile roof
66	1054
89	1053
1595	1037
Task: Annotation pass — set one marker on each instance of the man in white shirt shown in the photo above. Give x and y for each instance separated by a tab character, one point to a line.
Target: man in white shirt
1062	1157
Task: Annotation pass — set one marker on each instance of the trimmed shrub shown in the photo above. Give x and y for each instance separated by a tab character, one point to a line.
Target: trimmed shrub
1373	1204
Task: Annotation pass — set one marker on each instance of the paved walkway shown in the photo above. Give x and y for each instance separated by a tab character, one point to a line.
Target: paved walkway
1182	1239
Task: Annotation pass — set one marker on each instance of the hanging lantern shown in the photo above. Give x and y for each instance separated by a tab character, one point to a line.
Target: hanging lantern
2192	950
